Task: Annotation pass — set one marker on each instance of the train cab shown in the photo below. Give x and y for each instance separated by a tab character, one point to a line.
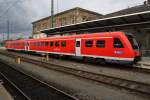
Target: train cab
135	46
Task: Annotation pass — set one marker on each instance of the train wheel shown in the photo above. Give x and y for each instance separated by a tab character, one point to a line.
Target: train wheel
100	61
85	59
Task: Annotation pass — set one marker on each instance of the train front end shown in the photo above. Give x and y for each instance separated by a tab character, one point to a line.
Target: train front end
136	47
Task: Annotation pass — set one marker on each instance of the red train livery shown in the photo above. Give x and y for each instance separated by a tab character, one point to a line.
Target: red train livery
109	46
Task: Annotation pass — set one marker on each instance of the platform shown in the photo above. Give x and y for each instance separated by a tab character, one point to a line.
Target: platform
4	95
2	48
145	62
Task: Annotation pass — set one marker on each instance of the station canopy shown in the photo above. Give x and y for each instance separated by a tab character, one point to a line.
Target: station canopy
140	20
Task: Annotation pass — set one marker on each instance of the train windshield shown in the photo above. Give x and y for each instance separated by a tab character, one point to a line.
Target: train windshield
133	42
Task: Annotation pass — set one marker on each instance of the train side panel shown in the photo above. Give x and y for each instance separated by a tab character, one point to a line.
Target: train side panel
61	46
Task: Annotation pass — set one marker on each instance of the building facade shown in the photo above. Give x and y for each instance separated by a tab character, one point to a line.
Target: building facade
72	16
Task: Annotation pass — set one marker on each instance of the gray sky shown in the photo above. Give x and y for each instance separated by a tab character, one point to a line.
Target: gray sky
24	12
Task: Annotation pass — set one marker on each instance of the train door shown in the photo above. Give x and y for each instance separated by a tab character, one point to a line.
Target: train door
78	47
27	46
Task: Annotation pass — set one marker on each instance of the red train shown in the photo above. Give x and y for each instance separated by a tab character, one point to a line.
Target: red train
109	46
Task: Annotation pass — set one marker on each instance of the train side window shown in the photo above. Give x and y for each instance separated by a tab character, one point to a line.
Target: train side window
63	43
100	43
57	44
43	44
117	43
51	44
34	43
38	43
89	43
77	43
46	43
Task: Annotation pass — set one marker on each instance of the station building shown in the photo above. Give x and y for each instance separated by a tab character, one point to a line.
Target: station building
72	16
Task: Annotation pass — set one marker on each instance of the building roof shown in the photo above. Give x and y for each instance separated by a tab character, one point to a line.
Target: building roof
66	11
135	9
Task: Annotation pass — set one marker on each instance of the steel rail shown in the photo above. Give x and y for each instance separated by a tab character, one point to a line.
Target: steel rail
25	96
131	68
29	84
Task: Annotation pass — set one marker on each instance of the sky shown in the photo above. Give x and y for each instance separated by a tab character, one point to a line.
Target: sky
21	13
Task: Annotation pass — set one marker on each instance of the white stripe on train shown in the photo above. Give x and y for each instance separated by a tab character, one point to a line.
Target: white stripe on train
72	54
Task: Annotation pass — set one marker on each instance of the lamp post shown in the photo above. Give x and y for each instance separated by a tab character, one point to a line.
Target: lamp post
7	29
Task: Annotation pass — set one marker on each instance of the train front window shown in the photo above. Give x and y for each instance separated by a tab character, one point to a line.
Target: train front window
133	42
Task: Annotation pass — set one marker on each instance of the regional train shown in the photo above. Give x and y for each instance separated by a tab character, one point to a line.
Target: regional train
117	47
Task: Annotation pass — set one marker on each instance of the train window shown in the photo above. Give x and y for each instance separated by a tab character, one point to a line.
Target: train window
57	44
77	43
34	43
117	43
38	43
100	43
89	43
133	42
63	43
43	44
46	43
51	44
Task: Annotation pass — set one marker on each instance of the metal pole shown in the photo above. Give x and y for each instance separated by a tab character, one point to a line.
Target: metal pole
52	12
8	29
47	57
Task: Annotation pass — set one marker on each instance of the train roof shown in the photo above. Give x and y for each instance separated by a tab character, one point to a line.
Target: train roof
105	34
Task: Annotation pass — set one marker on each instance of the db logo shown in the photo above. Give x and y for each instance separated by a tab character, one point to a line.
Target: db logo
119	52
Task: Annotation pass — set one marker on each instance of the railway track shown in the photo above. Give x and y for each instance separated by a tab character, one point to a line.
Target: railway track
31	88
99	78
131	68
